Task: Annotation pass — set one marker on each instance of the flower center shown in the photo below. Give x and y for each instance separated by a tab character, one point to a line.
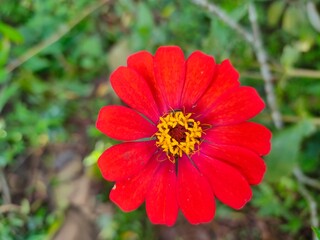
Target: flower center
178	134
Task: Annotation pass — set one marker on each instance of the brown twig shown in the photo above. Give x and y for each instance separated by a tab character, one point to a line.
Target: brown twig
305	73
295	119
310	199
291	73
264	68
305	179
225	18
5	188
276	116
9	208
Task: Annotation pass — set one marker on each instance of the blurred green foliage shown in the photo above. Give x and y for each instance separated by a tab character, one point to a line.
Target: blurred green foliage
55	58
317	232
287	150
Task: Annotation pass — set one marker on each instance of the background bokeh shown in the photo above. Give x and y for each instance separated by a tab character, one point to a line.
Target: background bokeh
55	59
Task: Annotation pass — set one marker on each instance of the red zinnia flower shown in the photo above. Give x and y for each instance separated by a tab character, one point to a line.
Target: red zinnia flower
187	139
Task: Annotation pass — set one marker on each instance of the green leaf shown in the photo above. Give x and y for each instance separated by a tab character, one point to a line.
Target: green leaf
3	75
92	158
317	232
118	54
289	56
267	202
143	27
37	63
295	21
6	93
285	150
11	33
144	18
5	47
91	47
275	12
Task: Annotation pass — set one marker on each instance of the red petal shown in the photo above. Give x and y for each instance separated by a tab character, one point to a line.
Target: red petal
134	91
225	77
195	196
123	123
228	185
248	135
142	62
169	68
161	200
235	106
129	194
125	160
199	74
247	162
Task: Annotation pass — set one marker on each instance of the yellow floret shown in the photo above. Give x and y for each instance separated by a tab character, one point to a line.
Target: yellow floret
192	132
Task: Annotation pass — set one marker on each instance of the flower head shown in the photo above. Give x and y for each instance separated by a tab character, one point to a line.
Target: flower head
186	136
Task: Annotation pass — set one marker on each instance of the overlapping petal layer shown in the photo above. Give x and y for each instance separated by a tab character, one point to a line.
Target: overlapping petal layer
142	63
227	184
247	162
200	69
225	78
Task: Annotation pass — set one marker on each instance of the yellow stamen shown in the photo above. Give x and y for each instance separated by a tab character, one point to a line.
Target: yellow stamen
185	134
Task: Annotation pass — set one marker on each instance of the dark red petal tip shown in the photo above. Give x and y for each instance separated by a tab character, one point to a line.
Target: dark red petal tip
227	184
251	166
